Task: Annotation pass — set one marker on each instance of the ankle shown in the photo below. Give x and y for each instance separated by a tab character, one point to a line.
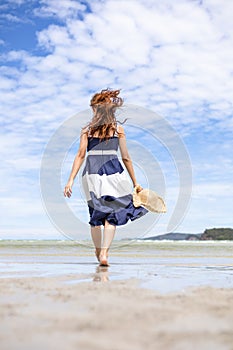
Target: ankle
104	251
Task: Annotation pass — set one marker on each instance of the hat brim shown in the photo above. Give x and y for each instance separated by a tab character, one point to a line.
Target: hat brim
150	200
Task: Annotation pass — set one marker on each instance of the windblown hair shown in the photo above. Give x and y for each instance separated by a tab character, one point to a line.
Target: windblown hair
104	104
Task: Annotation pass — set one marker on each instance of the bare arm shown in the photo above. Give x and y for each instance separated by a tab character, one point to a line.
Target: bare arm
126	157
78	161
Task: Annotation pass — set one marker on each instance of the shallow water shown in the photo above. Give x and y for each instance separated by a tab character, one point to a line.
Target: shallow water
162	266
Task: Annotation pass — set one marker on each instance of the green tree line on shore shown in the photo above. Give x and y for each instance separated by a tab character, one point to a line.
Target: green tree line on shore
224	234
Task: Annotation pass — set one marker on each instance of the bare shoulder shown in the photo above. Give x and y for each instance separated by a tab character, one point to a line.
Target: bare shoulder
85	131
121	131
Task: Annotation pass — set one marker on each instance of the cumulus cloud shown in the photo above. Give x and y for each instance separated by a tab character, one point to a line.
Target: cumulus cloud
167	55
175	59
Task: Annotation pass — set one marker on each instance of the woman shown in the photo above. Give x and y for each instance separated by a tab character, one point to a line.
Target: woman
105	183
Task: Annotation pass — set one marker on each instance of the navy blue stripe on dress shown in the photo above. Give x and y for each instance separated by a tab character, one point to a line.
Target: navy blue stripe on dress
102	164
106	185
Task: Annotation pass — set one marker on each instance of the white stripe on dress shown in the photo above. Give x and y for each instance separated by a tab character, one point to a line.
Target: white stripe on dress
116	185
97	152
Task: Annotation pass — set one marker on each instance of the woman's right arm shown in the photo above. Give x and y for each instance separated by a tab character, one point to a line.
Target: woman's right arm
80	156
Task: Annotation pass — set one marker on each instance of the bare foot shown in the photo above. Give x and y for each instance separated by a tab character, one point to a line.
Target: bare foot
103	257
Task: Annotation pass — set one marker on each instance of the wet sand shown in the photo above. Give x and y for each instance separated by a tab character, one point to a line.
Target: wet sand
162	296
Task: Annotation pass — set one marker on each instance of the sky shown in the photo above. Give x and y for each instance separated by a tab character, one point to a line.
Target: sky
172	60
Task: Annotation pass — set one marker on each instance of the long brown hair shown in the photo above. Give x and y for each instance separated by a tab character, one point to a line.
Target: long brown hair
104	104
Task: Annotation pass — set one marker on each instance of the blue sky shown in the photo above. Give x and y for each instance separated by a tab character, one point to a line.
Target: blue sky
172	59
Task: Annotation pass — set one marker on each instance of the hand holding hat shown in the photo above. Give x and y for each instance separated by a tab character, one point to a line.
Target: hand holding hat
148	199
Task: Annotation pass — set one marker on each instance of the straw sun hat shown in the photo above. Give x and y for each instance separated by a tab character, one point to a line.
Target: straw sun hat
148	199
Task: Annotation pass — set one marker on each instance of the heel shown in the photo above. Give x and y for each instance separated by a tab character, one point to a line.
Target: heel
103	258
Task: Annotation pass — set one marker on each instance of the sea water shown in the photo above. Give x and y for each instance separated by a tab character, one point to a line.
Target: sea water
165	266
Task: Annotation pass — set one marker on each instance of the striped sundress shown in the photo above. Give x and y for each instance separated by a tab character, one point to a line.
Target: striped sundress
106	185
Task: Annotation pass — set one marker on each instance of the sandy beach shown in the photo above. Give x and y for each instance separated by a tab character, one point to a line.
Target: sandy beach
163	296
49	313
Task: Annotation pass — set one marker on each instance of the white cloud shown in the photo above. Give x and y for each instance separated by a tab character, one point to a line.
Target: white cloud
62	9
177	55
12	18
212	191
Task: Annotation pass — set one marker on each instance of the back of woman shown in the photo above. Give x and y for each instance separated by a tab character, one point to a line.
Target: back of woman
106	184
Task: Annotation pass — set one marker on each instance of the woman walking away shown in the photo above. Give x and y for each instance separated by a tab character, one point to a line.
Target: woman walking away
106	185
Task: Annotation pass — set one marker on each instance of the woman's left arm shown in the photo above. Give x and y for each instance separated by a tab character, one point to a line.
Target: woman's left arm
78	161
126	157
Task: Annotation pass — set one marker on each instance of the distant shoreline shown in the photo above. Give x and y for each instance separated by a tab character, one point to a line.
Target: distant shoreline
216	234
213	234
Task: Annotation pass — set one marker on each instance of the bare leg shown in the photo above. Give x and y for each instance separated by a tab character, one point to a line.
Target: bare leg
109	233
96	235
